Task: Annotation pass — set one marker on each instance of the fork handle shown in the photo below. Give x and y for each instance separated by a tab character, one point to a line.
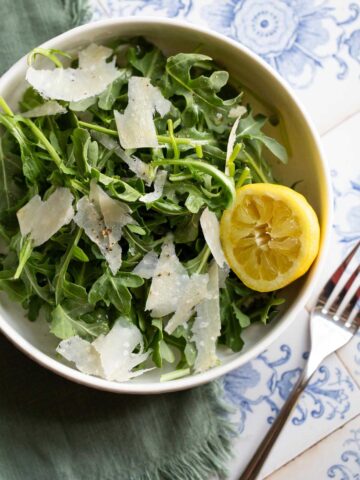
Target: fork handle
257	461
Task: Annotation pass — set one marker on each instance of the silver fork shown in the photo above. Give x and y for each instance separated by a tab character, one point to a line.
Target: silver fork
333	322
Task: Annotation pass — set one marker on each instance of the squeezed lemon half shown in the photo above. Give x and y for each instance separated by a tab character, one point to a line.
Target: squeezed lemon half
270	236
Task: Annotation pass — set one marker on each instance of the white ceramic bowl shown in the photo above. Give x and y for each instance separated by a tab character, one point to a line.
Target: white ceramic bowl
306	163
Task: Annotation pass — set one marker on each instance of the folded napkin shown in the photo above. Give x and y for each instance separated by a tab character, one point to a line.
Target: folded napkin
53	429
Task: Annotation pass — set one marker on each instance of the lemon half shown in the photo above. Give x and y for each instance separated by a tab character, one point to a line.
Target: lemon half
270	236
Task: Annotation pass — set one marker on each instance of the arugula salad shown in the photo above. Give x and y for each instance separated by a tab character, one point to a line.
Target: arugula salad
113	178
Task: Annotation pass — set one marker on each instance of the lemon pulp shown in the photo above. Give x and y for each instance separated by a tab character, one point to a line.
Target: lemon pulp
270	236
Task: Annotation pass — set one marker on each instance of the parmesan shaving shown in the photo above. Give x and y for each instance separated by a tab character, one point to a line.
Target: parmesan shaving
116	214
116	351
73	84
83	354
48	108
102	219
207	324
141	169
109	356
93	55
88	218
42	219
168	284
223	275
211	230
146	267
231	143
136	126
159	184
238	111
194	293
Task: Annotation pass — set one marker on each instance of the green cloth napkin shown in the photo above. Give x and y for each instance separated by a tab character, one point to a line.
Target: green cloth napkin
53	429
27	23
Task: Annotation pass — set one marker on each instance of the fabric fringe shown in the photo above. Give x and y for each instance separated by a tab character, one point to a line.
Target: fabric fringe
78	10
204	460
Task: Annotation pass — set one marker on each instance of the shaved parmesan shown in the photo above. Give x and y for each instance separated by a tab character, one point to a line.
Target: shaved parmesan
136	126
141	169
83	354
116	350
207	324
109	356
116	214
238	111
93	55
73	84
88	218
223	275
102	219
231	143
42	219
48	108
159	184
211	230
194	293
169	282
146	267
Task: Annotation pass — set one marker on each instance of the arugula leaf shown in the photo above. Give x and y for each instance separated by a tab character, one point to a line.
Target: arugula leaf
30	99
199	263
223	180
161	350
244	320
109	96
10	169
85	151
41	292
15	289
188	229
151	65
64	326
31	164
79	254
60	279
25	251
274	146
267	311
113	290
201	92
250	128
231	328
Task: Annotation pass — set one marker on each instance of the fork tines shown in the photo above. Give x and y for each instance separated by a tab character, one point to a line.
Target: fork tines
340	296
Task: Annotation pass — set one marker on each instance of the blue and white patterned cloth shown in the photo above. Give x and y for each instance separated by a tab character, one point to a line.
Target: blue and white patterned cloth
315	46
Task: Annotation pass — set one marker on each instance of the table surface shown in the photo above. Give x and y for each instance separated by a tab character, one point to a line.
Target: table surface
315	46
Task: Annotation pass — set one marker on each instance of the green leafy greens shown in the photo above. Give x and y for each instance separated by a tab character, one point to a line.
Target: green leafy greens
67	277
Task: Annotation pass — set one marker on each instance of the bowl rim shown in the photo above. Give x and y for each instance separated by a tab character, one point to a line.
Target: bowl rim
269	337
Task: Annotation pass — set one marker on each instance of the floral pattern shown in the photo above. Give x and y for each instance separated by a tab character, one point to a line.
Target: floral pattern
292	35
296	37
326	396
347	211
166	8
353	42
348	467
